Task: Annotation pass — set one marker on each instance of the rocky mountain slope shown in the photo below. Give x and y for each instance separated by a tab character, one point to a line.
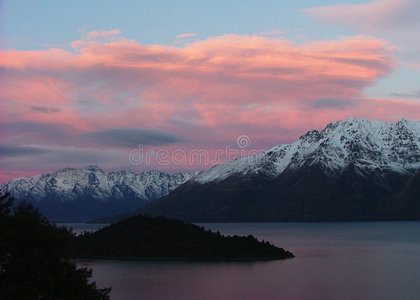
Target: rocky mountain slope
350	170
369	146
74	194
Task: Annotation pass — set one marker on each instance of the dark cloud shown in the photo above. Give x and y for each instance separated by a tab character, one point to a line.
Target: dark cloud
37	133
73	155
19	151
56	134
340	104
45	109
37	128
131	137
415	94
56	157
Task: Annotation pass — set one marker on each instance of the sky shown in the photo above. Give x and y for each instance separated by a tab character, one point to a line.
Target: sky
183	85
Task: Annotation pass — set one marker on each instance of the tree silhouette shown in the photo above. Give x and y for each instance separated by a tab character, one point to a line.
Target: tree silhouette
34	258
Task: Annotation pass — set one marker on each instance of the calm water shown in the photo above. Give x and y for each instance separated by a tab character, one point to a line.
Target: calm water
333	261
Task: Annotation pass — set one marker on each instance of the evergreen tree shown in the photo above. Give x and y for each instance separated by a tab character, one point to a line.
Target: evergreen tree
34	258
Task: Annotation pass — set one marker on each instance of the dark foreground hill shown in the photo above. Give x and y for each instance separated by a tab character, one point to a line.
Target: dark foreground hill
143	237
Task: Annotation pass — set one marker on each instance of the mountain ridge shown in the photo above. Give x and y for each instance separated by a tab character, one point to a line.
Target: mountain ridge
336	149
355	161
352	170
96	192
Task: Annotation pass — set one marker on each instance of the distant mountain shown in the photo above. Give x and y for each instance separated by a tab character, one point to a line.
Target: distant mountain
74	194
351	170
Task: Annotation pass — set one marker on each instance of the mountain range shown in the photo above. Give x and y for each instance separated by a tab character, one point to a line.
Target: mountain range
82	194
351	170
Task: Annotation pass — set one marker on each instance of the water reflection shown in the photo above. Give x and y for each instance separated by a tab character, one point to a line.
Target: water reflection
333	261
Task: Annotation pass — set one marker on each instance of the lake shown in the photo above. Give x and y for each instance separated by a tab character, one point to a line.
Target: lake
361	260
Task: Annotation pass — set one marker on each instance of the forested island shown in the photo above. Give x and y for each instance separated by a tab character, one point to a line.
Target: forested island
35	254
145	237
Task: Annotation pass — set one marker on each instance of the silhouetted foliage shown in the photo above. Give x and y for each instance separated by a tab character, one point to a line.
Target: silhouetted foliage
144	237
34	258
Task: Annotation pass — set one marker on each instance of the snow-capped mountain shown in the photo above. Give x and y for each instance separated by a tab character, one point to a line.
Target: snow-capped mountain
350	170
96	192
369	146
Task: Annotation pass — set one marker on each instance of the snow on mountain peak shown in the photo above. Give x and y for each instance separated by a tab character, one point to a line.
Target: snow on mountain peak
93	168
70	183
367	145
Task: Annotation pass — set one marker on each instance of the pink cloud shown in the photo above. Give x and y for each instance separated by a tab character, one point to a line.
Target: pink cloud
273	32
185	35
207	92
374	15
102	33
